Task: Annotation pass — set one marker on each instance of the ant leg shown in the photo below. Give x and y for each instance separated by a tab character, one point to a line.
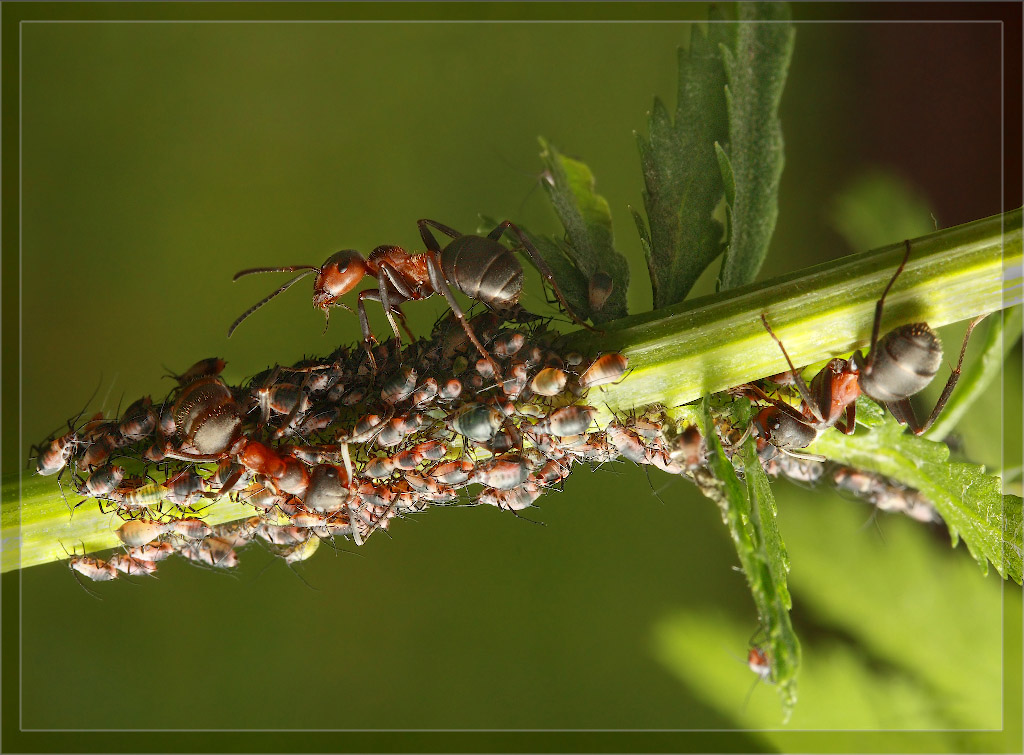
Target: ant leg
385	302
851	416
428	237
437	280
364	323
542	266
950	384
801	386
401	285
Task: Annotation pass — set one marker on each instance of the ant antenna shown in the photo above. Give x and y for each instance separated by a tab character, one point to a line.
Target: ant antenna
309	269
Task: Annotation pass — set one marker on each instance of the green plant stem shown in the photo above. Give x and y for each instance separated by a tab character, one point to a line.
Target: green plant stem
676	354
680	353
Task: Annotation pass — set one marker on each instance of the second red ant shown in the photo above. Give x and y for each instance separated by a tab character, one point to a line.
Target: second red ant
896	367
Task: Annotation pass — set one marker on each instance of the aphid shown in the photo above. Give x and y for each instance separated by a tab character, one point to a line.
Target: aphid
367	428
139	420
282	535
262	497
379	467
687	448
569	420
502	472
508	343
478	422
95	569
885	494
897	366
127	564
550	474
285	398
425	393
627	443
208	420
478	266
228	475
374	495
759	662
190	528
203	368
451	389
408	459
154	453
130	495
452	472
212	551
516	499
549	382
153	551
513	385
321	420
432	449
301	551
604	369
399	386
136	532
96	453
184	487
56	455
102	482
599	288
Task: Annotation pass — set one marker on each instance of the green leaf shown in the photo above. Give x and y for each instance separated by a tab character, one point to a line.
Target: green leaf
977	377
878	208
587	220
682	184
755	69
749	513
969	501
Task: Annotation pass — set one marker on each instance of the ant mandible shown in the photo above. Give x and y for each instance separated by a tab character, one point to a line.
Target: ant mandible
897	366
478	266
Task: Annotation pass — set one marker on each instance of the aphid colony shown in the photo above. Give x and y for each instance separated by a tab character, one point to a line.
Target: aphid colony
340	446
491	410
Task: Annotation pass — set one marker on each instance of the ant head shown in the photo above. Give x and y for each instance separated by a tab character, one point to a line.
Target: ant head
339	274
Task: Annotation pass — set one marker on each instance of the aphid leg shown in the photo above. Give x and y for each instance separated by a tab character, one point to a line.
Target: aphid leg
437	280
801	386
950	384
542	267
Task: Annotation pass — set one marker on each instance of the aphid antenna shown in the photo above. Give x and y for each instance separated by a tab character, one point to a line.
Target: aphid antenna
295	571
74	573
873	518
647	474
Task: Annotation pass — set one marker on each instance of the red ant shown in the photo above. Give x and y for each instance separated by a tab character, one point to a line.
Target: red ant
478	266
897	366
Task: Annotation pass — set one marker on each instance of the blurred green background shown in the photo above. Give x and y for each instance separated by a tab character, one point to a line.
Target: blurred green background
159	159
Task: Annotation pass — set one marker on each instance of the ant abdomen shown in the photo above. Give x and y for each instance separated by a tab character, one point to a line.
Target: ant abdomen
483	270
904	362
